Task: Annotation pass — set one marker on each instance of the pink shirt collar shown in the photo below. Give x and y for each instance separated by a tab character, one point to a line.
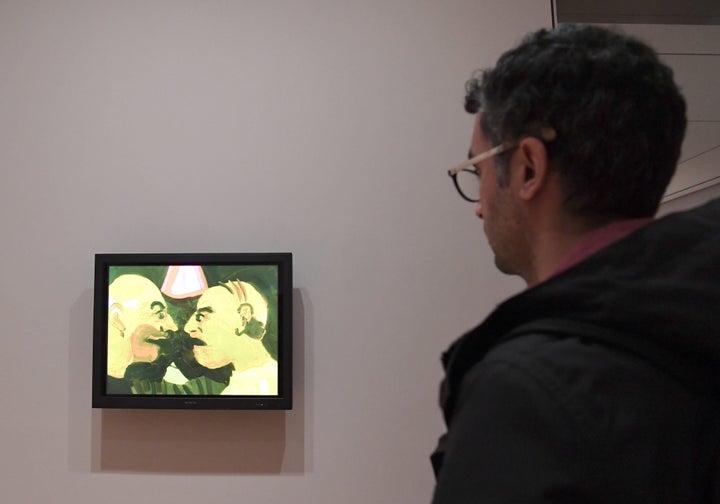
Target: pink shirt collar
598	239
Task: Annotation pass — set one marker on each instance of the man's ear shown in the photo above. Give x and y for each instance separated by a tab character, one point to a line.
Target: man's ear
533	175
114	317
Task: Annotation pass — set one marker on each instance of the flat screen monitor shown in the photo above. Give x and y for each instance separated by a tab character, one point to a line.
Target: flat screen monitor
193	331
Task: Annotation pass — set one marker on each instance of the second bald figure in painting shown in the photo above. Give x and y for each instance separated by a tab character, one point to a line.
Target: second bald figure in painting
137	321
230	324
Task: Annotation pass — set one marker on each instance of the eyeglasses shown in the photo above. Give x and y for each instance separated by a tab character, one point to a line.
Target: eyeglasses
467	180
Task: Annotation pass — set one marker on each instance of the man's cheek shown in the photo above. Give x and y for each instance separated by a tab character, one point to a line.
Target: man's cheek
143	343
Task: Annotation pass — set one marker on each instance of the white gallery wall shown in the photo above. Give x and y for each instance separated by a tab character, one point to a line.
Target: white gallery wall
322	128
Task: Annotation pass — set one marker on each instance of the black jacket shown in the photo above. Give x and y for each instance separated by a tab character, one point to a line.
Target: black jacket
600	385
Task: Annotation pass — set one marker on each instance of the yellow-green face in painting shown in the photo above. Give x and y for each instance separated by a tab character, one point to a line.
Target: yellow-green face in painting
216	322
139	313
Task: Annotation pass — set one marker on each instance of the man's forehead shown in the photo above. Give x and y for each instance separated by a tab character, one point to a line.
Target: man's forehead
153	303
217	298
478	125
134	290
479	141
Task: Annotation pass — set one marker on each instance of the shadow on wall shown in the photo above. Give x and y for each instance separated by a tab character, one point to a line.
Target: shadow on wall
175	441
208	441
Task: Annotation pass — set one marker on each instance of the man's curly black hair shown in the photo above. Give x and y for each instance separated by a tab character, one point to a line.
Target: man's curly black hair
618	114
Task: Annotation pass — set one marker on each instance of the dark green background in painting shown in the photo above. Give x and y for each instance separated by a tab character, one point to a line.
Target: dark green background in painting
263	277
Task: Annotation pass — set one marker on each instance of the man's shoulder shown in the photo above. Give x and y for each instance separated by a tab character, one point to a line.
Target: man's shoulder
567	357
583	405
588	385
565	365
581	370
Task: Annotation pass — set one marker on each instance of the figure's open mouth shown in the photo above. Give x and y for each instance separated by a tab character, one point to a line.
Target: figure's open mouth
197	342
153	339
157	336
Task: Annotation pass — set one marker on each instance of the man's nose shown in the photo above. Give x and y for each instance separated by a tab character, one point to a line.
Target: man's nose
170	325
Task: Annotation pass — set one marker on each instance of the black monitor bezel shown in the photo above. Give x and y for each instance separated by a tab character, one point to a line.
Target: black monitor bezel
100	397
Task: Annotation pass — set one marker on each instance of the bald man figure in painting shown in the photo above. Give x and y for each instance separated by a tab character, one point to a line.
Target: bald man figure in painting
229	324
137	321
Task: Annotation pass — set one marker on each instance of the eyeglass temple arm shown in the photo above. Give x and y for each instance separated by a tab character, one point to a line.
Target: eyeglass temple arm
480	157
547	135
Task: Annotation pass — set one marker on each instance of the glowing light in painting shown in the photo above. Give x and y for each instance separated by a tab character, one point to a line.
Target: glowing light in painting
184	282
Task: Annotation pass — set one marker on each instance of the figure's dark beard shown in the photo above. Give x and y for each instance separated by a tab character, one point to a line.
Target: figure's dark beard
153	371
184	358
177	348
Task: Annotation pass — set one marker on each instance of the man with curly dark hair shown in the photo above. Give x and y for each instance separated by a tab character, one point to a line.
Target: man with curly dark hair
600	383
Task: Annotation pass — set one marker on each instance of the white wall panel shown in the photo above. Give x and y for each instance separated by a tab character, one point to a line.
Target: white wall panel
323	128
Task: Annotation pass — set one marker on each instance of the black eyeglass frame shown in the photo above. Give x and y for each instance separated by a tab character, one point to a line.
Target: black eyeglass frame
546	135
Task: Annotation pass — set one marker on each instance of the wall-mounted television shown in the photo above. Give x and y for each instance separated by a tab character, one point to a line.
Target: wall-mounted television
193	331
